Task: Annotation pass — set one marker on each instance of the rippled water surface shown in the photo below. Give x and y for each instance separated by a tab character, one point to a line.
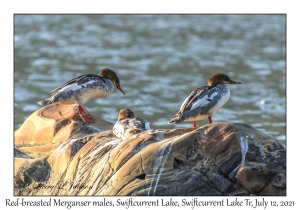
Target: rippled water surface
159	59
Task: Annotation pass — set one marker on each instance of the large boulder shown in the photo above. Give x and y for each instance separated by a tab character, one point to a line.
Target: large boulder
216	159
44	130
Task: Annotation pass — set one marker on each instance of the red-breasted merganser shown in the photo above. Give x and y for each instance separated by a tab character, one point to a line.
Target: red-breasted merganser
82	88
205	101
128	125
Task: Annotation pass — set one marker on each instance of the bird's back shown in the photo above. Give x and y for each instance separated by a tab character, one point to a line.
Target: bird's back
80	89
201	103
127	127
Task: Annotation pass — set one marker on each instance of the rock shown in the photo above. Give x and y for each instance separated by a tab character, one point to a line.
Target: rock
253	176
216	159
44	130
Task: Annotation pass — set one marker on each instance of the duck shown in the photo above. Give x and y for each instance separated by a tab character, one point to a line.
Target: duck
205	101
82	88
128	125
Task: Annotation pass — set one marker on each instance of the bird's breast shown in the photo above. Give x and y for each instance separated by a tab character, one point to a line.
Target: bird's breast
219	102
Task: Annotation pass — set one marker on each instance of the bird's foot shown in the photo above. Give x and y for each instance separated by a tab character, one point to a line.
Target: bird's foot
87	118
210	121
194	124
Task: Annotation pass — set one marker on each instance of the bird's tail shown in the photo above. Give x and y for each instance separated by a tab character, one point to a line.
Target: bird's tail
45	102
177	118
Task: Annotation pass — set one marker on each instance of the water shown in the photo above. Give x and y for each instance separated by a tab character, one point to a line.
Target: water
159	59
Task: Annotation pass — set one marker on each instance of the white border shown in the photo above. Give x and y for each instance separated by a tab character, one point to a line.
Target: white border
8	8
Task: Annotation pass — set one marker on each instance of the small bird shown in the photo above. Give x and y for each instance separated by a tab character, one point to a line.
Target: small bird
80	89
205	101
128	125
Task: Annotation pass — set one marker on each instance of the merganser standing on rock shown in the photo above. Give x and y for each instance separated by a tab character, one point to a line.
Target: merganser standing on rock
128	125
82	88
205	101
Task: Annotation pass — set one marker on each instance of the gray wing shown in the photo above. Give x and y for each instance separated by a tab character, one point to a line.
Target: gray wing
80	81
139	124
204	97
